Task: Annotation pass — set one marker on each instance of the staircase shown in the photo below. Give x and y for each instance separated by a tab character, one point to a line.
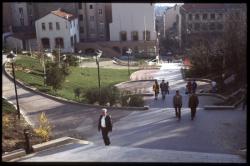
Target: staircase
100	153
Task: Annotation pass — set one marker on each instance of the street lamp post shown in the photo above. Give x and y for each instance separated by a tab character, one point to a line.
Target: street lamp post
129	53
159	49
97	57
11	58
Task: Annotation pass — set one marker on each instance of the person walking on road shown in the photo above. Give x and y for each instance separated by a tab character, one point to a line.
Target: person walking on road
163	89
177	103
193	103
105	125
167	88
194	86
156	89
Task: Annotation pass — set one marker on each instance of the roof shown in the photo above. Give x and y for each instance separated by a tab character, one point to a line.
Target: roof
203	6
24	36
60	13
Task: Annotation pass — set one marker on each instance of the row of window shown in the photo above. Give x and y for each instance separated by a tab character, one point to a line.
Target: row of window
134	35
92	28
91	18
59	42
72	24
204	16
205	27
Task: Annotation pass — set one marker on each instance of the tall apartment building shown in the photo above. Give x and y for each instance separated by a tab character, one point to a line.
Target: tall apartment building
207	20
7	17
172	22
23	16
94	19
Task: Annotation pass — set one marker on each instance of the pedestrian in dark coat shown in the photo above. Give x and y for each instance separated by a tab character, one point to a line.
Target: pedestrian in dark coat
105	125
163	89
193	103
177	103
189	87
167	88
194	86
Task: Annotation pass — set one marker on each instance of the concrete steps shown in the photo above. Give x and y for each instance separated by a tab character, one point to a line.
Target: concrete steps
99	153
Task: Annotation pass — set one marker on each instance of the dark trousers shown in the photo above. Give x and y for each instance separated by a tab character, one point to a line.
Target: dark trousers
163	93
193	111
105	135
178	112
167	91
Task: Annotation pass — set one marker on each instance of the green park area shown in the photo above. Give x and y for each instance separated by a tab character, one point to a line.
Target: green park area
30	71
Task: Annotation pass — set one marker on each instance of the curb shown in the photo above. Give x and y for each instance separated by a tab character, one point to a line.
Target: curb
126	82
15	155
213	107
212	94
60	99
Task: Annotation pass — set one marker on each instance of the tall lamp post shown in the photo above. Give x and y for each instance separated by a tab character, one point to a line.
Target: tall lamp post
11	59
129	52
159	46
97	57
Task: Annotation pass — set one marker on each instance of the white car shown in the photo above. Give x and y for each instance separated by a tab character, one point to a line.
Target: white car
152	62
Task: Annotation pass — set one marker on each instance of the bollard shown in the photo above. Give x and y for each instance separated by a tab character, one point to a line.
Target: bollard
28	147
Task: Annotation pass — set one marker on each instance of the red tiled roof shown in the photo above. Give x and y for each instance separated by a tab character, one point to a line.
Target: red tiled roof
63	14
195	6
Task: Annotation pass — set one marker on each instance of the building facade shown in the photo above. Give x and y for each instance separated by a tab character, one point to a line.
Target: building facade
172	23
94	19
23	17
134	22
7	17
58	30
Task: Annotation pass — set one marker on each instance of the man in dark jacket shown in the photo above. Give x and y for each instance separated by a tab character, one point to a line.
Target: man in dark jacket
163	89
177	103
193	103
105	124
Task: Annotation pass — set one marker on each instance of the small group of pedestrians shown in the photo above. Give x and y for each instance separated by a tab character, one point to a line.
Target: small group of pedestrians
164	86
193	103
191	86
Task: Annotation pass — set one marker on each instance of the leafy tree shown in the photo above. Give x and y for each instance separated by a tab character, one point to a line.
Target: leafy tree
55	76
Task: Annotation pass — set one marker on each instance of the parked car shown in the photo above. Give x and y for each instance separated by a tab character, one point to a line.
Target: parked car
151	62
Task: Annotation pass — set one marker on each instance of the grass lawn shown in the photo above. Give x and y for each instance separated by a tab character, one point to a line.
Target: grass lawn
85	78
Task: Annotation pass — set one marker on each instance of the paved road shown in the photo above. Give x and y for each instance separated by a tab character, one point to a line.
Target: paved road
212	131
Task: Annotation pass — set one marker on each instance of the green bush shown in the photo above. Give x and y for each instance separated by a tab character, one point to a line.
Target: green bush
109	95
92	95
78	91
136	101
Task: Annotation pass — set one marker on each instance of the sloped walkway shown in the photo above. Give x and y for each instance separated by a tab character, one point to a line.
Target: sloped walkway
96	153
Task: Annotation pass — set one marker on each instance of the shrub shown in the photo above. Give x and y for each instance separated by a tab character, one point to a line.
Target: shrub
109	94
44	130
136	101
6	121
78	92
92	95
